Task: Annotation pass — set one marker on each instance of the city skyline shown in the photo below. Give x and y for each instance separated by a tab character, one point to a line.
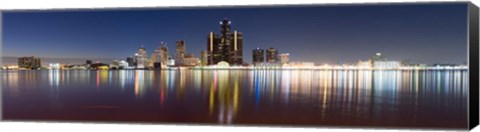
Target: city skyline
425	34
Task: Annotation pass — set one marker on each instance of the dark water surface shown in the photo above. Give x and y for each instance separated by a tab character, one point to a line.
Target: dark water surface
394	98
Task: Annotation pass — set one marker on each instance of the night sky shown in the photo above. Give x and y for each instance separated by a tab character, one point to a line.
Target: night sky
434	33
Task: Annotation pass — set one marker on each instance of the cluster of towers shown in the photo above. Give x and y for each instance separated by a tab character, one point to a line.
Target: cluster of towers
272	56
226	46
158	58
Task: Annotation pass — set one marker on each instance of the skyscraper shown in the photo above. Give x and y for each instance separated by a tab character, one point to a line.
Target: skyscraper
141	57
164	53
272	55
130	61
204	58
258	56
226	46
180	52
156	58
213	49
157	55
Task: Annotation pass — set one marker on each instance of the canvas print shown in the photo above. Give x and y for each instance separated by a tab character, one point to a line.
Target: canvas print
366	65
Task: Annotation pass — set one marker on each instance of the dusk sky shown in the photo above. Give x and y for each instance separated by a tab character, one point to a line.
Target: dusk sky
435	33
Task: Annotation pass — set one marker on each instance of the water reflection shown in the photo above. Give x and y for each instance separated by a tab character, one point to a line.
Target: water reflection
230	96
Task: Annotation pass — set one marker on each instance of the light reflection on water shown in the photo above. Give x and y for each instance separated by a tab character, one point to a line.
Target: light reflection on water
315	97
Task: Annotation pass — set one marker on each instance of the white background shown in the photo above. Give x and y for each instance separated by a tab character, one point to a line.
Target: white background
93	127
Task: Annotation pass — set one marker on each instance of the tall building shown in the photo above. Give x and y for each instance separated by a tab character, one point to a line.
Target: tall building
157	55
180	52
226	46
272	55
29	62
141	57
258	56
164	53
204	58
130	61
156	58
284	58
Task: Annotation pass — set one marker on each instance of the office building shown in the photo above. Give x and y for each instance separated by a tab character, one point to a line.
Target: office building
171	61
180	52
29	62
190	60
156	56
284	58
141	58
226	46
272	55
204	58
258	56
123	64
164	53
131	61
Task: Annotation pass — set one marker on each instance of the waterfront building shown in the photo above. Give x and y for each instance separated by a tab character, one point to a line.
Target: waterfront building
141	58
171	61
226	46
284	58
156	57
122	64
272	55
258	56
164	52
131	61
204	58
190	60
29	62
180	52
114	64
